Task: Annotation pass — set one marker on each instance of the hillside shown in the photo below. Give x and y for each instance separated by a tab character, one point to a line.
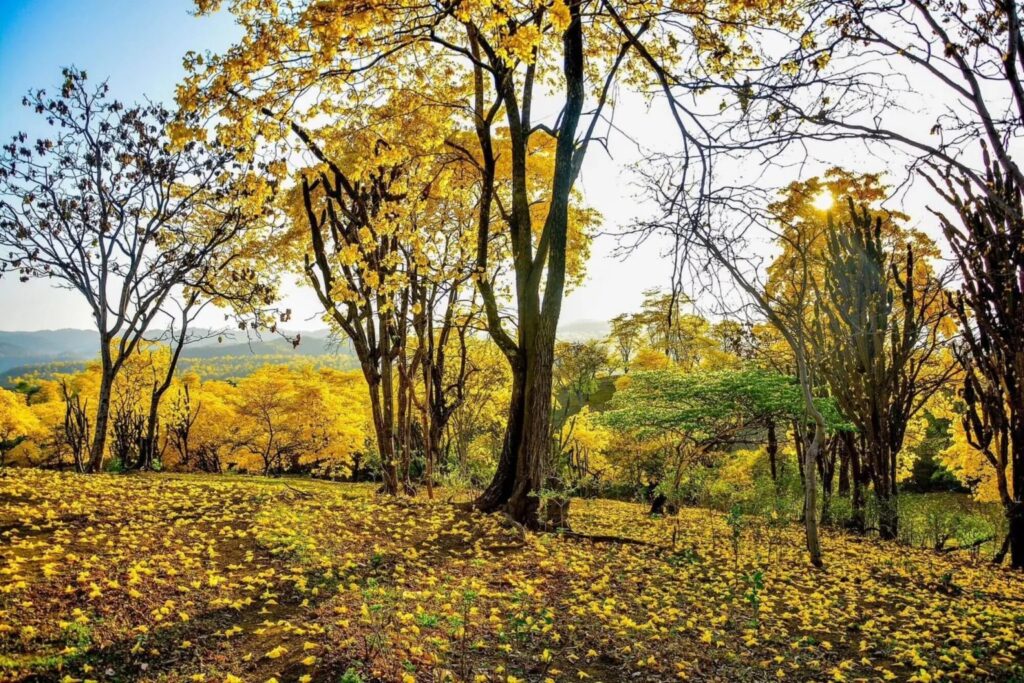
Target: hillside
197	578
48	352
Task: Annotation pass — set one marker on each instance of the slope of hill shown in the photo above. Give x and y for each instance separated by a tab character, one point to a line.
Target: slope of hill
49	352
45	346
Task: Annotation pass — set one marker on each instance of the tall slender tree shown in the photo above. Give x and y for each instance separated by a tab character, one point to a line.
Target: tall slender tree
989	246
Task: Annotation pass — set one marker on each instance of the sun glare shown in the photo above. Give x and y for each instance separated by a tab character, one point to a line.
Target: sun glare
823	202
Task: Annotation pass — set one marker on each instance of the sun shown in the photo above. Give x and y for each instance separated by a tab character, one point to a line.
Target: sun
823	202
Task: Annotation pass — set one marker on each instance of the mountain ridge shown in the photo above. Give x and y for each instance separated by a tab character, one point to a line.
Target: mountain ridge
21	351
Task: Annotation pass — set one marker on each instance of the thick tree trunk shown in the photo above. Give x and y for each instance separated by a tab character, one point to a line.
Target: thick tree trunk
499	490
523	505
527	435
384	431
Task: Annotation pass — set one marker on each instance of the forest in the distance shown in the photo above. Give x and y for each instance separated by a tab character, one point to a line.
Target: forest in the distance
801	458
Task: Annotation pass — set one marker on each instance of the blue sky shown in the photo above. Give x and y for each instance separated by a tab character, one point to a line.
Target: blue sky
136	44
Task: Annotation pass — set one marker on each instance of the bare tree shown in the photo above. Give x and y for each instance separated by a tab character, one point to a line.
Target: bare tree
113	208
718	243
990	309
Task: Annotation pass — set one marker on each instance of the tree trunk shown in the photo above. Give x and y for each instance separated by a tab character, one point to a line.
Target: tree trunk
500	488
147	449
844	464
858	516
384	431
801	451
773	452
888	513
1016	536
428	446
523	504
811	497
1015	512
99	437
827	470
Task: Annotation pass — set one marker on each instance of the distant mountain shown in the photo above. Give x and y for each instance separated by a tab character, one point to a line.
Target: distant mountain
310	343
46	346
65	350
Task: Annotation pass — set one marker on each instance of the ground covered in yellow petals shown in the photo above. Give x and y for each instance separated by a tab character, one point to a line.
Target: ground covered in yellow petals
179	578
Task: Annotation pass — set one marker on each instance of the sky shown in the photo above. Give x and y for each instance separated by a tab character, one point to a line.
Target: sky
138	46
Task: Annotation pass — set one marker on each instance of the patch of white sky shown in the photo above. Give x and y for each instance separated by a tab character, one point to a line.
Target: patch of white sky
139	47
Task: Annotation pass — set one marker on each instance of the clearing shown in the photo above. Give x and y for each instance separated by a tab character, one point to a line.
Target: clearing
222	578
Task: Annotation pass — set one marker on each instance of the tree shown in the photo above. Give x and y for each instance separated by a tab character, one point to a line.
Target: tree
231	281
858	68
195	418
442	329
288	420
883	315
671	329
706	412
576	368
17	423
480	67
477	425
122	207
804	232
624	338
990	309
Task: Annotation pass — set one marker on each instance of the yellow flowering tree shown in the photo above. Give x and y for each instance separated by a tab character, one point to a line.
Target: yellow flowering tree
477	68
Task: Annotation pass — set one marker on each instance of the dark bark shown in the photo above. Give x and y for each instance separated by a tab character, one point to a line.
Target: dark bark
773	451
501	486
826	470
99	437
844	468
858	516
523	503
1016	536
886	500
